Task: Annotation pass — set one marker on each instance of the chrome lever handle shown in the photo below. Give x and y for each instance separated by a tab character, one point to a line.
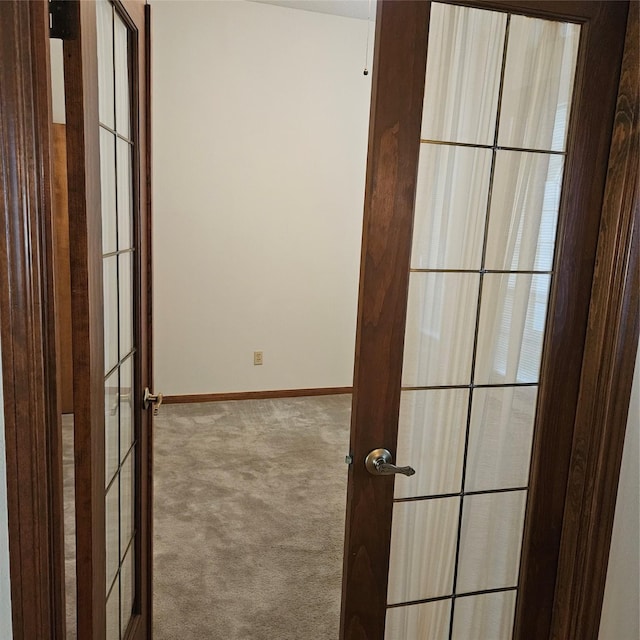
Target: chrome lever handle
152	399
378	463
386	469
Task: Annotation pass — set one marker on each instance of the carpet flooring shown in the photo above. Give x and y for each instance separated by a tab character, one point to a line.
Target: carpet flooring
69	525
249	519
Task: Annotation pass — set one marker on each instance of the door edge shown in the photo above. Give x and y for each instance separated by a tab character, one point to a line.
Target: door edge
607	373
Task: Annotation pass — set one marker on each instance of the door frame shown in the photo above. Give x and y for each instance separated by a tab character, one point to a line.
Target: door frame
28	335
28	329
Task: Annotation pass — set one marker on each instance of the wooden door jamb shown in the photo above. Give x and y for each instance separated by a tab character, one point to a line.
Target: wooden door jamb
29	341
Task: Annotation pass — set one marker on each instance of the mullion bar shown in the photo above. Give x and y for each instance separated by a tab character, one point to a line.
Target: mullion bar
123	360
477	326
495	385
129	452
127	548
480	271
461	494
116	473
113	582
106	127
119	252
451	596
494	147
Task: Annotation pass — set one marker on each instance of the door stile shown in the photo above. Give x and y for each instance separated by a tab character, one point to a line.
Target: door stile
138	16
146	323
612	342
392	166
83	164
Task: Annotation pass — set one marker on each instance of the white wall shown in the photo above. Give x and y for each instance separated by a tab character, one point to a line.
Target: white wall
260	124
5	586
620	610
57	81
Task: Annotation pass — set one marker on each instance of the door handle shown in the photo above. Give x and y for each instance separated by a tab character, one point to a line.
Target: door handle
152	399
378	463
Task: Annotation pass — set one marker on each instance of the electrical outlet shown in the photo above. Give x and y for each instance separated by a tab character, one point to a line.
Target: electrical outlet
257	357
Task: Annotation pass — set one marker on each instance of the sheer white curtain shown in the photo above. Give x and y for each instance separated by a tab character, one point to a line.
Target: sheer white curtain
483	247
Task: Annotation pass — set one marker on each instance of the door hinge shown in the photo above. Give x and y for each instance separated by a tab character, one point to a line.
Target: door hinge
61	23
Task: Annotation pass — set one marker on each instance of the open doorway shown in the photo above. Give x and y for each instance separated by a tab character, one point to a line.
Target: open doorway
260	119
260	122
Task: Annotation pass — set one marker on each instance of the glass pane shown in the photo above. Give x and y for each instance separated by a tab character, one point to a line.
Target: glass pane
441	318
108	190
451	204
112	532
110	286
125	198
126	501
524	211
111	426
126	306
512	319
431	434
463	74
127	588
490	541
500	437
121	59
429	621
104	14
486	616
419	528
126	406
113	614
538	83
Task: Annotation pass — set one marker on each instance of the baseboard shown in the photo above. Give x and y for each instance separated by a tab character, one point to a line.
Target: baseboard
255	395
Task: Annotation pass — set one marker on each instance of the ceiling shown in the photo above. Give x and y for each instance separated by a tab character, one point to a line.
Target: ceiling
360	9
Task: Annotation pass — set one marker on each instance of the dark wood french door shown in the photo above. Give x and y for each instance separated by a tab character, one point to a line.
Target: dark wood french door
482	211
105	54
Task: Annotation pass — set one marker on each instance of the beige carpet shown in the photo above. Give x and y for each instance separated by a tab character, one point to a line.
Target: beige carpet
69	525
249	519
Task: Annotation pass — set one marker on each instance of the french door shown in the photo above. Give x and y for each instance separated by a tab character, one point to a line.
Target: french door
482	210
105	51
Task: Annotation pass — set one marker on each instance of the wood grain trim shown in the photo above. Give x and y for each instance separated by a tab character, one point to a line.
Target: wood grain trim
85	233
563	10
32	421
255	395
136	14
392	166
146	226
62	266
612	341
